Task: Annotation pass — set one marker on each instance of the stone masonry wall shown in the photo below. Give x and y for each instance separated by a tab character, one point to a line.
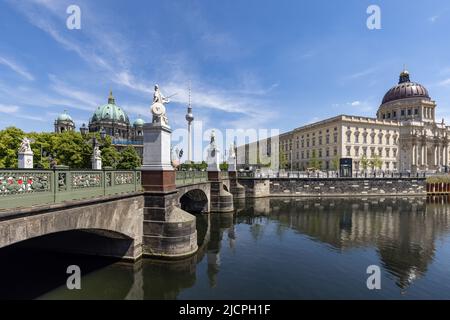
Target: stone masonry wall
334	187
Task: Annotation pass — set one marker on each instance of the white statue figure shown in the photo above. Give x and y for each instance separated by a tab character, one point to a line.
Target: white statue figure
97	153
159	97
232	152
25	146
212	142
158	109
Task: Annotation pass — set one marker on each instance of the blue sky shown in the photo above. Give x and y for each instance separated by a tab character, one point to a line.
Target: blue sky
252	63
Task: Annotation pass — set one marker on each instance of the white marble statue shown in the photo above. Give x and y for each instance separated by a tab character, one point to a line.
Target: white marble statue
158	107
25	146
97	153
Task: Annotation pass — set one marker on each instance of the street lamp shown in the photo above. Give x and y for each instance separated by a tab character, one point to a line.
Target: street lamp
102	133
84	129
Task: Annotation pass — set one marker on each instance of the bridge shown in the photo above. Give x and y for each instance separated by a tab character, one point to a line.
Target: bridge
109	212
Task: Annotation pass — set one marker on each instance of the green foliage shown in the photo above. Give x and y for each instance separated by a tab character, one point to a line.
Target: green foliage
223	166
365	163
200	166
129	159
10	139
283	160
335	163
376	162
314	162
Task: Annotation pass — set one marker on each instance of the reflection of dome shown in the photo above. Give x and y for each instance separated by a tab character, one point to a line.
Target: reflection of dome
139	122
406	89
64	117
110	112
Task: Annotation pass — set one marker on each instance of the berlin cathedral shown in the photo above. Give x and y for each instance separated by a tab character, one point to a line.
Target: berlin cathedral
113	120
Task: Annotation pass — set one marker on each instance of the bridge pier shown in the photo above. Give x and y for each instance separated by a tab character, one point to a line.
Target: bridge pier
168	231
236	189
221	200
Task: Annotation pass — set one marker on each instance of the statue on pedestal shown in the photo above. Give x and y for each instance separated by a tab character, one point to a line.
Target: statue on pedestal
158	109
25	146
213	154
25	155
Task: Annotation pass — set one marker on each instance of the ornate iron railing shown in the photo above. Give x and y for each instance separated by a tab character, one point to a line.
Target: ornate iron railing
26	188
190	177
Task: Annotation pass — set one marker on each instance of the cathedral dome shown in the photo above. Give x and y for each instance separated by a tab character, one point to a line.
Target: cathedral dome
110	112
139	122
64	117
405	89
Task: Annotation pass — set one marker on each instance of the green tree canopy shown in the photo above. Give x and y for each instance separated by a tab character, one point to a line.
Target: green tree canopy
10	139
129	159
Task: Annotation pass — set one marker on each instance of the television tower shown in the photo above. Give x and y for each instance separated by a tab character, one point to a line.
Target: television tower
189	119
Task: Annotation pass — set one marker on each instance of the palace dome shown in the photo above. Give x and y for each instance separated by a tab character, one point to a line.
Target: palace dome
110	112
405	89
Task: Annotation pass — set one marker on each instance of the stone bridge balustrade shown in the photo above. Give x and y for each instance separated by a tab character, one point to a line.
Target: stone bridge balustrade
26	188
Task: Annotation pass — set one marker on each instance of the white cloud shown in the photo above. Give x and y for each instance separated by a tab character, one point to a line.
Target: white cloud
8	109
16	68
444	83
360	74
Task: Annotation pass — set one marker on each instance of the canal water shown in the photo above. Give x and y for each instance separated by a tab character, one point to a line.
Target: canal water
268	249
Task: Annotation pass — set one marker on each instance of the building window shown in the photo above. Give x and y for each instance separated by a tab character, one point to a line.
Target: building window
388	152
335	153
380	139
320	153
348	138
394	151
409	112
365	152
320	141
303	155
327	152
349	150
402	113
307	143
307	154
395	114
356	137
335	138
314	142
357	151
372	139
303	143
380	152
327	139
416	111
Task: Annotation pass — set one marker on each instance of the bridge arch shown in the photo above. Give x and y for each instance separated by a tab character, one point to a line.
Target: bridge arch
195	201
120	220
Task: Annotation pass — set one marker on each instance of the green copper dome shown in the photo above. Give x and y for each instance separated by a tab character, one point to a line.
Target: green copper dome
139	122
64	117
110	112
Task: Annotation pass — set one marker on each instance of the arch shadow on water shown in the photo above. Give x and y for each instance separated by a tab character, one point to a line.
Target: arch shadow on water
37	266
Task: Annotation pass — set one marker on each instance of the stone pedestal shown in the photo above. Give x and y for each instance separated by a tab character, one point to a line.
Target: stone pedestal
221	200
25	160
96	163
213	159
169	232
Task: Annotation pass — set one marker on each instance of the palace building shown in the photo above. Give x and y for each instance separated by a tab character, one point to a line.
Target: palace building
404	136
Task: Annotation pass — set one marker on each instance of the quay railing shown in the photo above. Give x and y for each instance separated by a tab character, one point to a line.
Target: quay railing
330	175
26	188
190	177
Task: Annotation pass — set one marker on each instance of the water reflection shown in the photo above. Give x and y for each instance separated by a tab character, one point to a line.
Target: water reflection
404	231
282	248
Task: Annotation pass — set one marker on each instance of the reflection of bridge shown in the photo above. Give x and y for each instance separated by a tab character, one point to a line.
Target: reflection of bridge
111	205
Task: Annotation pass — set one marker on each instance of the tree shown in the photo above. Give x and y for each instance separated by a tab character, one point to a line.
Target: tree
10	139
224	166
129	159
283	160
335	163
110	155
314	162
365	163
376	162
